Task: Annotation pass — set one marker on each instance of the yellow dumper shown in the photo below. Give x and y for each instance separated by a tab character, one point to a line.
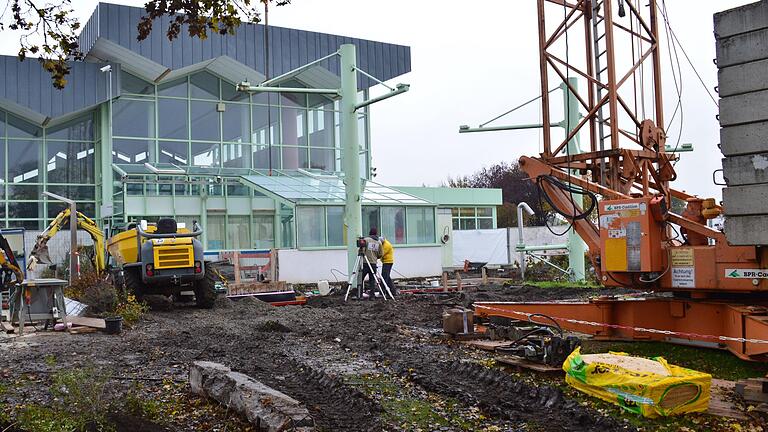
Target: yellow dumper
164	259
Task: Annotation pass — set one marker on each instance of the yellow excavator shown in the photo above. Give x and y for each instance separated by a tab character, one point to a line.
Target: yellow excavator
41	255
146	259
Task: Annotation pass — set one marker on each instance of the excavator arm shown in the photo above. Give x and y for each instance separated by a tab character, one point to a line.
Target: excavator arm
40	253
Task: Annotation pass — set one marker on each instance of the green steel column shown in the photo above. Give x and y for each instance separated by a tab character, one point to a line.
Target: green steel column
351	159
576	247
105	159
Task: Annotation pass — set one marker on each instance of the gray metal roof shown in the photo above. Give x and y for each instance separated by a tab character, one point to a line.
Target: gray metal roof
110	36
27	85
289	48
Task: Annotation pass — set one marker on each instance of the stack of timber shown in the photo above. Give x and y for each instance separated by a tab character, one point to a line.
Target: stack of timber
742	59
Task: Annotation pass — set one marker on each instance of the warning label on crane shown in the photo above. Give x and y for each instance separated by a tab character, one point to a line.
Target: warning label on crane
682	268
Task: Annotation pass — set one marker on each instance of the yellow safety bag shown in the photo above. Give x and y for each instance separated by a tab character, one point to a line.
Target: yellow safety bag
636	389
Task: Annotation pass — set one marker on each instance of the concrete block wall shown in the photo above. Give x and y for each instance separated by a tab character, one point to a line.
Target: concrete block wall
741	37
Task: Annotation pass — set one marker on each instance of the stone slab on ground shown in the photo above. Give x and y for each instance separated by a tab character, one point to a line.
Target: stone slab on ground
264	406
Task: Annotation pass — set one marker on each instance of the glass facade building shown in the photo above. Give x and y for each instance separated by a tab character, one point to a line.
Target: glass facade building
177	139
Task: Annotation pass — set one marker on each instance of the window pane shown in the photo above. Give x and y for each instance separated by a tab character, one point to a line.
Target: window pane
215	232
203	85
393	224
238	232
238	190
263	231
335	226
286	227
206	155
133	118
24	161
2	123
235	155
321	129
236	121
324	159
74	192
370	219
293	126
311	226
293	99
454	212
467	212
485	211
19	192
176	88
22	129
456	225
421	225
25	210
265	127
130	151
132	84
205	121
294	158
172	118
27	224
484	223
70	162
261	156
468	224
76	130
173	152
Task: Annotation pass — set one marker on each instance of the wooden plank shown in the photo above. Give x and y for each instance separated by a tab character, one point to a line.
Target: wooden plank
87	322
7	327
82	330
721	395
485	345
522	363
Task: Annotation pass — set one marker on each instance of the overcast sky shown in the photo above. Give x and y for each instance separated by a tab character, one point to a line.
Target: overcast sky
474	60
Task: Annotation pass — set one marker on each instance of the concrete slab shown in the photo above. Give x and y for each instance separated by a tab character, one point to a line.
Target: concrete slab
746	200
742	48
264	406
746	170
742	19
744	108
743	78
746	230
744	139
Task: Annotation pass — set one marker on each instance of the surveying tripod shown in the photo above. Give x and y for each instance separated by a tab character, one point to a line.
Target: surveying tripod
357	278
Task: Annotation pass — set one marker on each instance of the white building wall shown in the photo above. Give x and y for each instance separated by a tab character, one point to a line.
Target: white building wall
497	246
305	266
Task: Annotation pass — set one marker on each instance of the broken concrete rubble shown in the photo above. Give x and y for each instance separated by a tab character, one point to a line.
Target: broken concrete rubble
264	406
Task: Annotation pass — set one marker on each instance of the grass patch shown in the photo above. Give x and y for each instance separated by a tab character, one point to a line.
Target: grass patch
719	363
409	408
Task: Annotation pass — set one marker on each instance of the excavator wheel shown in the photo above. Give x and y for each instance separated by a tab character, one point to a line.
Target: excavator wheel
133	283
205	289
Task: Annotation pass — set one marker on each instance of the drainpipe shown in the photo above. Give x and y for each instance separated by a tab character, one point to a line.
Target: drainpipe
520	243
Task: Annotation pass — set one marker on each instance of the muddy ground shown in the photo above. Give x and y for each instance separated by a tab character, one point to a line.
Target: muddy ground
357	366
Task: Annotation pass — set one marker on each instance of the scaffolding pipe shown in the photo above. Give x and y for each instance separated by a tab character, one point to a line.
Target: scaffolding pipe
520	243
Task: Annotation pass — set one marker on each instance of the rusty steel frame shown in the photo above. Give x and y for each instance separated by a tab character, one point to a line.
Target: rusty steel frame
610	100
716	311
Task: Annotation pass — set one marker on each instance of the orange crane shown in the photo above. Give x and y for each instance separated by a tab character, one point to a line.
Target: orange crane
703	291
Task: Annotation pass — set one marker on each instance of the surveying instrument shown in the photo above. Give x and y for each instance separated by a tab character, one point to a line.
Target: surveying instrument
357	278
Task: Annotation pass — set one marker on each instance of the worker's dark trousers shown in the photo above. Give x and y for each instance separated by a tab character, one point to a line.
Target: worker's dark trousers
386	272
371	278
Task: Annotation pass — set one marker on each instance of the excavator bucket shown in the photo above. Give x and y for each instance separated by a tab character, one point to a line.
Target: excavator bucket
39	255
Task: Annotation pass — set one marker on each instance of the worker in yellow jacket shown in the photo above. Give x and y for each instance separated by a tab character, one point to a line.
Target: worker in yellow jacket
387	261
